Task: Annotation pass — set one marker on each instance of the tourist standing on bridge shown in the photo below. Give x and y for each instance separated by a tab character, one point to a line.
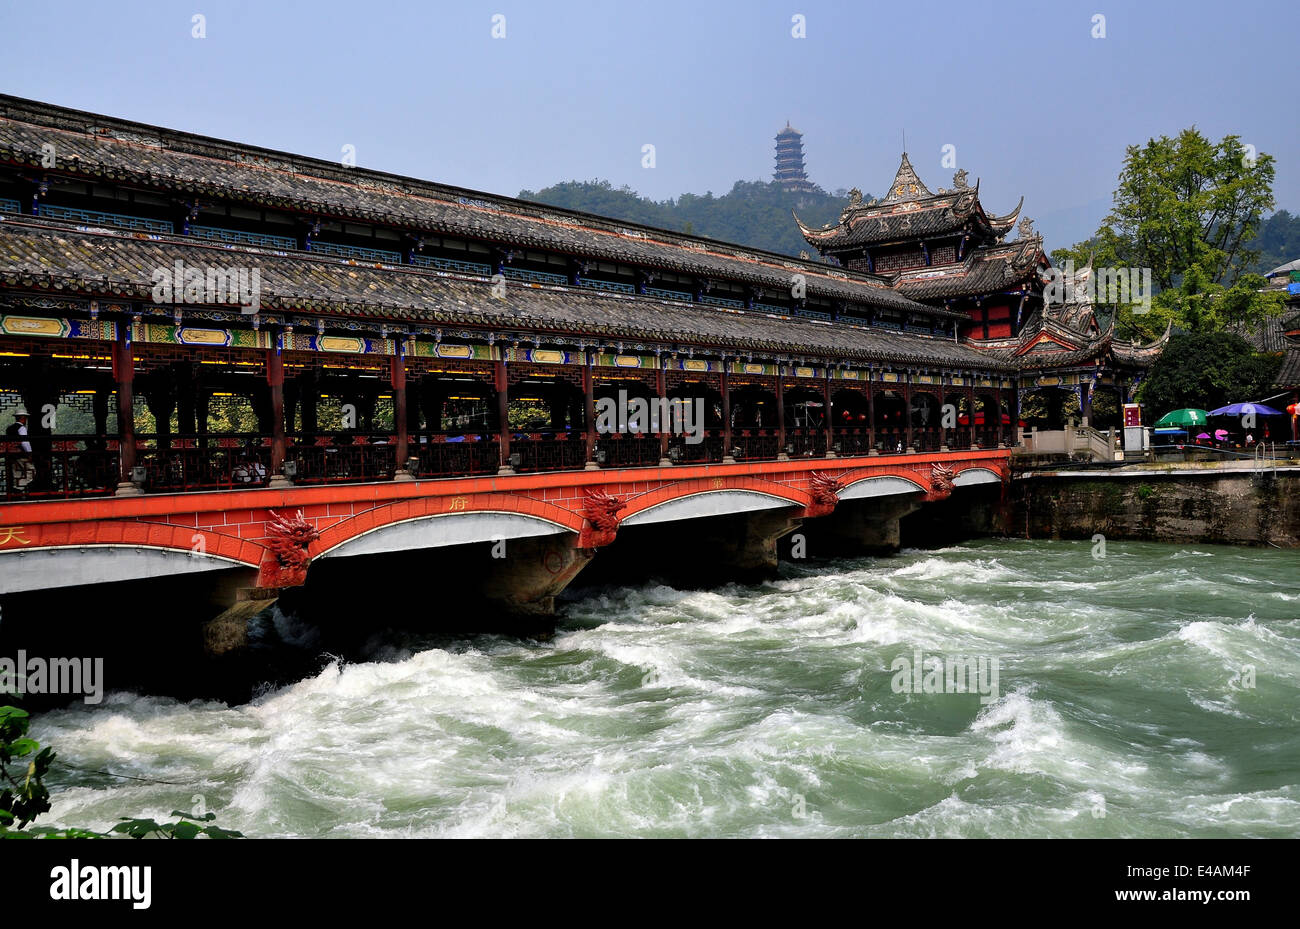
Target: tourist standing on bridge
20	470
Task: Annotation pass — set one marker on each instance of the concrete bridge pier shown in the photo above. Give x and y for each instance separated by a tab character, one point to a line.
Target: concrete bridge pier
861	527
700	552
499	585
516	581
227	633
747	550
536	570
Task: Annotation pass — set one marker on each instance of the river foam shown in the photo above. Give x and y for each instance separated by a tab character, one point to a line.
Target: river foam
1152	692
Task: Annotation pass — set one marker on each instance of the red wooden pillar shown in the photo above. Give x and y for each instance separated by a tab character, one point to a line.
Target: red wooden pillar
397	378
1013	408
124	381
589	401
944	385
503	412
871	415
780	414
727	457
970	407
830	415
997	415
907	410
665	417
275	380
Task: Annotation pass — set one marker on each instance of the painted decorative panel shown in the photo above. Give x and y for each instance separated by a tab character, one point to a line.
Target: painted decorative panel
169	334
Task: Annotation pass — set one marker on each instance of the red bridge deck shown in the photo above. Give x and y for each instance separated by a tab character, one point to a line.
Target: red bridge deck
58	543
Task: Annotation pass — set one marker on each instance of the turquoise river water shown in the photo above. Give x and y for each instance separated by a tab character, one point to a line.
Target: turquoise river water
1151	692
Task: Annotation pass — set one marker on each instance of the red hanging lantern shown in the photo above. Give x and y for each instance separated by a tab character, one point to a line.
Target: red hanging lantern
1293	409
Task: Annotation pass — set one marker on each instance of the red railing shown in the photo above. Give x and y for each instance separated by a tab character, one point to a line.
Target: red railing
926	440
215	461
708	449
755	444
806	443
855	441
617	450
58	466
347	458
891	441
548	451
455	455
87	466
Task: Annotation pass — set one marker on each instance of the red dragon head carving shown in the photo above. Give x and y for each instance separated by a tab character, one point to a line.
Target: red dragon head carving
824	488
601	510
940	483
287	538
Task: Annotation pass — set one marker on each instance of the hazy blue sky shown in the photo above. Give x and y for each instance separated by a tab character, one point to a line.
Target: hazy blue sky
1033	103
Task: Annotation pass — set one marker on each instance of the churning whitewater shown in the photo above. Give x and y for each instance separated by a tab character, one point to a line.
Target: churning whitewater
1152	692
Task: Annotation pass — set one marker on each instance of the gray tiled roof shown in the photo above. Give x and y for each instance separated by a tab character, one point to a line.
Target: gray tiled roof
42	257
984	271
1268	336
1289	375
94	146
889	226
909	210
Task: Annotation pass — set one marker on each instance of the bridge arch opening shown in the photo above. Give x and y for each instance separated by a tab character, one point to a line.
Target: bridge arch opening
704	503
972	476
440	530
881	485
77	566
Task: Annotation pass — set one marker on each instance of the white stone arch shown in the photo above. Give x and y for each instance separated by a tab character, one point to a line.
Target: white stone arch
972	476
708	503
441	529
881	485
78	565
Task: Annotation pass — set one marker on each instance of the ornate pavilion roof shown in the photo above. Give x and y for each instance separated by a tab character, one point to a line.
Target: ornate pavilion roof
51	258
1069	335
192	167
982	271
909	211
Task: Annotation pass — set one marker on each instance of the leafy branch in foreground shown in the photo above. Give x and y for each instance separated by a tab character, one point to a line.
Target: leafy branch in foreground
24	796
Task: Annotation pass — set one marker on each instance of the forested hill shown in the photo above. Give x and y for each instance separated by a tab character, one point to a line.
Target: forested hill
753	213
757	214
1278	241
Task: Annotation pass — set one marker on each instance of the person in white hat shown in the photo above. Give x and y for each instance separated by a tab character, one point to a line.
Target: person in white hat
21	471
19	429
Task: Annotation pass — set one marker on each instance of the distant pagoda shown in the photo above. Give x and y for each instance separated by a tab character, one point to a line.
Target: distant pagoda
790	173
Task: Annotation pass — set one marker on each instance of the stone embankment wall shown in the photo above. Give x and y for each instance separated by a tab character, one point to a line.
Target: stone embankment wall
1230	507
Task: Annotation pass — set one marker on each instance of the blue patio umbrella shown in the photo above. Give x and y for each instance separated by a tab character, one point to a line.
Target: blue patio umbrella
1240	409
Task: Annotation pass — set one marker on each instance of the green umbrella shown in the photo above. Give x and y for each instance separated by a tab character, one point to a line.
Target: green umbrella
1184	418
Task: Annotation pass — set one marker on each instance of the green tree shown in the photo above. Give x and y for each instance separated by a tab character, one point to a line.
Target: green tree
1188	209
1205	370
1187	201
